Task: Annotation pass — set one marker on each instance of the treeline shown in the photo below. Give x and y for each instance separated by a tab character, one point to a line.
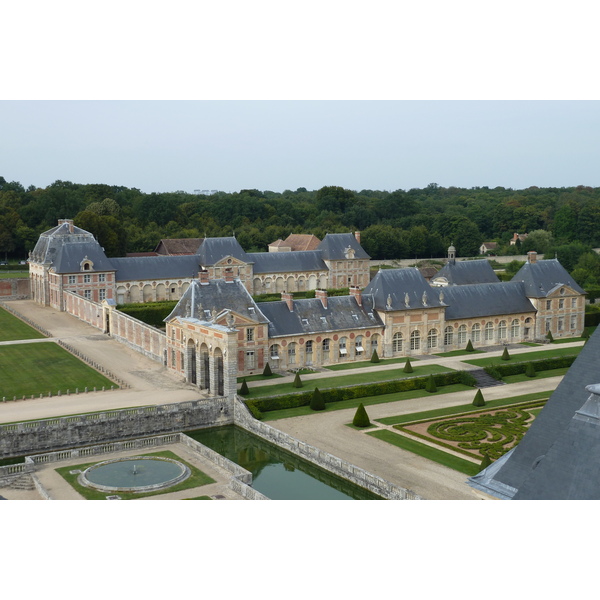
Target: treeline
418	223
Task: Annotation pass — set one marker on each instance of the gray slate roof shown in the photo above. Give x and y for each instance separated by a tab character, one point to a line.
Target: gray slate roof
216	295
282	262
334	245
543	276
310	317
467	272
394	284
130	268
559	456
212	250
486	300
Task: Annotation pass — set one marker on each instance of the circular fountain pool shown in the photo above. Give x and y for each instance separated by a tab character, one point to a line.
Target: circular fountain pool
135	474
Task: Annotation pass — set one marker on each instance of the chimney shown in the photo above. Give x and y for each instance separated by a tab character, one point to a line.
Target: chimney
228	276
357	293
69	222
288	299
203	276
357	236
322	296
532	256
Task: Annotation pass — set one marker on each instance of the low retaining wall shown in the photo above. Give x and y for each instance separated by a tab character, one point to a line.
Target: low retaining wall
33	437
14	288
139	336
326	461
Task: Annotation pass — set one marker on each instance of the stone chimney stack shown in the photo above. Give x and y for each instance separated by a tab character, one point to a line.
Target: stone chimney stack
357	293
69	222
228	276
357	236
203	277
322	296
532	256
288	298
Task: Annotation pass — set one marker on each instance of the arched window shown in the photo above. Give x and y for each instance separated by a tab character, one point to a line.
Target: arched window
292	354
476	332
326	346
358	345
432	338
488	332
397	342
274	352
502	330
462	334
374	342
342	347
448	336
415	340
515	329
309	347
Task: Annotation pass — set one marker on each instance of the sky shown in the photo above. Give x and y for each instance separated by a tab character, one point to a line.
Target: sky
165	146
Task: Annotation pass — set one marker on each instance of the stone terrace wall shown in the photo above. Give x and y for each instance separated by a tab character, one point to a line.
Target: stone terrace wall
88	311
139	336
322	459
34	437
14	288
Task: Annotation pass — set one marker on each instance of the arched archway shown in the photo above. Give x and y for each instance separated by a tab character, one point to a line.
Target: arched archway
204	368
219	380
190	368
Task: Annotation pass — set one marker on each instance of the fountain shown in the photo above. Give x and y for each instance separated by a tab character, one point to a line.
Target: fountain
147	474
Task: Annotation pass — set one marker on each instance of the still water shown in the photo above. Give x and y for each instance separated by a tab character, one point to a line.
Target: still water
276	473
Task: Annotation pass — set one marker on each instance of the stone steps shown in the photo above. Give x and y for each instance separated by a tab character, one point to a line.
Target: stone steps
484	380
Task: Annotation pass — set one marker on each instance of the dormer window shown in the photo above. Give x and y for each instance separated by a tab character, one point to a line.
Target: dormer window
86	264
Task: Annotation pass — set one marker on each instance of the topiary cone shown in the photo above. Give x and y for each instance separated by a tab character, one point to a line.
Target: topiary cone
374	357
430	385
486	462
297	381
267	371
505	354
478	400
361	419
316	400
408	367
469	347
530	370
244	391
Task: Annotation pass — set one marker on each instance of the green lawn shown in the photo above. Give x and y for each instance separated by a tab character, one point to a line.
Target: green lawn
196	479
439	456
14	275
541	375
259	377
525	356
12	328
310	383
367	363
285	413
34	369
459	353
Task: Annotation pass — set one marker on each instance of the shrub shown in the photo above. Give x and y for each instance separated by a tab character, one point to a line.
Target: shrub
408	367
549	336
374	357
469	347
297	381
486	462
254	410
361	419
316	401
530	370
505	354
478	400
244	391
430	386
267	371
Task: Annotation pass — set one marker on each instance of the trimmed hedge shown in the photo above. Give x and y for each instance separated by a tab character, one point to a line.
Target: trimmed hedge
153	314
546	364
295	400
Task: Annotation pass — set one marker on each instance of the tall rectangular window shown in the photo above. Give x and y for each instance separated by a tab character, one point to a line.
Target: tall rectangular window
102	277
102	295
87	294
72	279
87	279
250	334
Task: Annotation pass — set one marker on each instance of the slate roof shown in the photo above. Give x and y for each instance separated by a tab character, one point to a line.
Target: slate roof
178	246
216	295
310	317
486	300
559	456
130	268
282	262
394	284
466	272
212	250
334	245
544	276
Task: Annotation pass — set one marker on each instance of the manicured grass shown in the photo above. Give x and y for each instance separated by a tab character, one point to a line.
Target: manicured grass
34	369
259	377
439	456
196	479
530	344
343	381
464	408
541	375
366	363
285	413
460	353
12	328
525	356
14	275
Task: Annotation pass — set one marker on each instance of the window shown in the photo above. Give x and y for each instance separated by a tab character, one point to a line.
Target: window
250	334
561	323
397	342
343	350
573	302
250	360
358	347
488	332
548	304
573	321
476	332
72	279
374	343
102	277
448	335
87	294
462	334
502	330
309	347
432	338
87	279
561	303
548	325
415	340
172	358
102	295
274	351
515	329
292	354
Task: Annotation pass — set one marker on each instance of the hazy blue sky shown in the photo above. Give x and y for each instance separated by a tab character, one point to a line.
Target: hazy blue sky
160	146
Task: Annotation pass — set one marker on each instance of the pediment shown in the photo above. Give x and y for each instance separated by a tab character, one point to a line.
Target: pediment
225	319
561	290
229	261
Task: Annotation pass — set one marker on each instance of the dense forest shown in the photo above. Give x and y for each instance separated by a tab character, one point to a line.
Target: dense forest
417	223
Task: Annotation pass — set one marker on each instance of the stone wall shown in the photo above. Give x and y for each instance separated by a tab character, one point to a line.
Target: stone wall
88	311
34	437
324	460
14	288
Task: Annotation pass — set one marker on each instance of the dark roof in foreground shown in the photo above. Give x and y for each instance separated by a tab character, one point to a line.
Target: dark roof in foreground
544	276
559	457
467	272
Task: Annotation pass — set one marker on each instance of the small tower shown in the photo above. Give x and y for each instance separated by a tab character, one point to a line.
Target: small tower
451	254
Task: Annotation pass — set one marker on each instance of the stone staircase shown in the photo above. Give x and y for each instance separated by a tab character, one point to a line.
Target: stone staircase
483	379
19	482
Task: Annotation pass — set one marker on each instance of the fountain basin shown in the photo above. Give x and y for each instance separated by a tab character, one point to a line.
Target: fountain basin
134	474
